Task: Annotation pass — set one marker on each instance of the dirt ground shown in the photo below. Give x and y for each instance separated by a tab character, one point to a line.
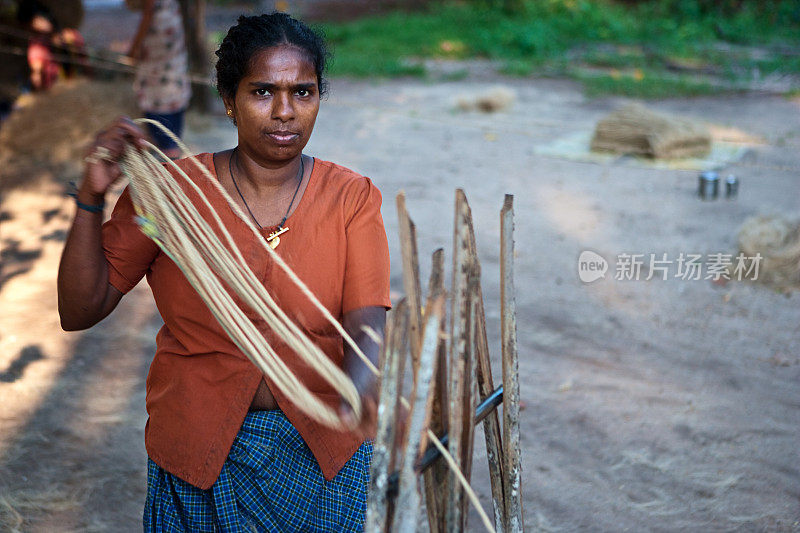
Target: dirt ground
648	405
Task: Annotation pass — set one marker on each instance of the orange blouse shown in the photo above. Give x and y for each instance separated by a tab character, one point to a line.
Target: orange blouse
200	385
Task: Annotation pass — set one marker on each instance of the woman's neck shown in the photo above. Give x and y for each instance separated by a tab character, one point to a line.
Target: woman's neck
265	177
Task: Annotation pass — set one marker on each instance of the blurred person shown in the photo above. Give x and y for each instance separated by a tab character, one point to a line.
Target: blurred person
162	84
44	69
71	44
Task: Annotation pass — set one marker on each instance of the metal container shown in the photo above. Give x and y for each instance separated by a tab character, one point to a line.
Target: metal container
709	185
731	186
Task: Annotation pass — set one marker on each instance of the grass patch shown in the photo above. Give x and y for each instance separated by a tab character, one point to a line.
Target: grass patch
554	36
517	67
645	85
366	65
455	75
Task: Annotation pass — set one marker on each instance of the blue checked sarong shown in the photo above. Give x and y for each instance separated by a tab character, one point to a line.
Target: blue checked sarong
269	483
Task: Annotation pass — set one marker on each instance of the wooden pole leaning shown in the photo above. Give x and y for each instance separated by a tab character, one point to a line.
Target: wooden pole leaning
513	470
411	284
491	425
435	477
460	420
378	517
408	500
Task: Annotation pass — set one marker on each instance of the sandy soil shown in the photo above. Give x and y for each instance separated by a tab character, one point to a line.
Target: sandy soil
648	405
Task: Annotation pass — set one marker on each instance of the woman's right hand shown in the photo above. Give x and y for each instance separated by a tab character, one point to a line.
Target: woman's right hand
102	158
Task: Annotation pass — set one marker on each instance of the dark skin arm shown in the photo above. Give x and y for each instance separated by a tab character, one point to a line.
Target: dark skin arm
84	295
364	379
135	51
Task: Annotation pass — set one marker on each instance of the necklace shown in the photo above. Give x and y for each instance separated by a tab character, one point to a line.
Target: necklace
273	238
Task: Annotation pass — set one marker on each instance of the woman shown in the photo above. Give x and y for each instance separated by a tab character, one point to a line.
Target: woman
228	451
162	76
44	69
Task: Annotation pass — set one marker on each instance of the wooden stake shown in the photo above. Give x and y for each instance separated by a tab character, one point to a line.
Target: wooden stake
461	366
435	477
411	284
470	385
491	425
438	397
408	500
513	485
383	455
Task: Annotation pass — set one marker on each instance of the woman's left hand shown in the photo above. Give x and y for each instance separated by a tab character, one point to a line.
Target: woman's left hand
365	427
363	377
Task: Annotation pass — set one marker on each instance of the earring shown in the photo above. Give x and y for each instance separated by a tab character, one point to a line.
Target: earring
230	113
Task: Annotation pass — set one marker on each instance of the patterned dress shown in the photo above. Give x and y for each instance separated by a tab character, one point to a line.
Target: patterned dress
270	483
162	79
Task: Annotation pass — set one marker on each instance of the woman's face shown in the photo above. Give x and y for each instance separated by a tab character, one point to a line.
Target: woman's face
276	104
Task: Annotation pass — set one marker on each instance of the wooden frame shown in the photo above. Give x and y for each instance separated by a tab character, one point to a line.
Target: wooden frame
451	373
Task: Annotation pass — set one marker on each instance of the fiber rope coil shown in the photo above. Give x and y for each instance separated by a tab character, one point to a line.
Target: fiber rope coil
214	266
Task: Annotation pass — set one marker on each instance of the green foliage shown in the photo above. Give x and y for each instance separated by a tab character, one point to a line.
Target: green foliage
553	36
736	21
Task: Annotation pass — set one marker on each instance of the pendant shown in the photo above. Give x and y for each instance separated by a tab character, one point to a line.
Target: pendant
274	238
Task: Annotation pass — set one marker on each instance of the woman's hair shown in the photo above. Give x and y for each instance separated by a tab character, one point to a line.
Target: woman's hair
253	34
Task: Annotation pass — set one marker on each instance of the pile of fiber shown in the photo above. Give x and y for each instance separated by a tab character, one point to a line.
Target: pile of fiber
491	100
777	239
636	130
50	131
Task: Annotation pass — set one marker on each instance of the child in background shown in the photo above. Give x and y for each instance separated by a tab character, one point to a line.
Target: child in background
71	44
44	69
162	78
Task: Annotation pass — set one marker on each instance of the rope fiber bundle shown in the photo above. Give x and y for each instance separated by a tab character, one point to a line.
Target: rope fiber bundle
214	266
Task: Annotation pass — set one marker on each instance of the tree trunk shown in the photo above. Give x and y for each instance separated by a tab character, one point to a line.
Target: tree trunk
194	24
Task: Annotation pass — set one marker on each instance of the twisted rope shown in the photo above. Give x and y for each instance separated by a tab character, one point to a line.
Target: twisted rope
211	261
